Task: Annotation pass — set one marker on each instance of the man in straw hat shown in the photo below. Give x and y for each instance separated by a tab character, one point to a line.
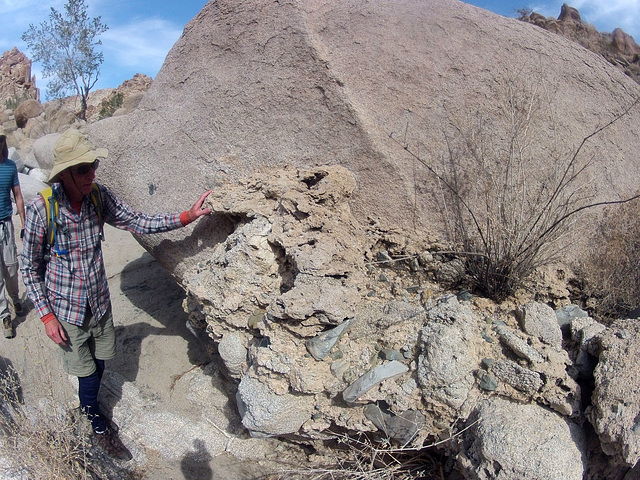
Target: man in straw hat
9	184
67	282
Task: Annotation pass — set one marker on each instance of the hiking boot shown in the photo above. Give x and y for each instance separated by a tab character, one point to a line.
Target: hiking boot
110	442
17	307
8	327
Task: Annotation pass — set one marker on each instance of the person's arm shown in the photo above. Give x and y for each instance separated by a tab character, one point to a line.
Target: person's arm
195	211
121	215
33	267
17	195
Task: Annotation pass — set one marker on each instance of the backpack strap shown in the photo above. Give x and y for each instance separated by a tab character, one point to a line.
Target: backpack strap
51	208
96	199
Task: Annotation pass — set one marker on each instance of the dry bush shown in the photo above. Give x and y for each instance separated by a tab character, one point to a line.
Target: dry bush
362	458
49	442
507	210
611	270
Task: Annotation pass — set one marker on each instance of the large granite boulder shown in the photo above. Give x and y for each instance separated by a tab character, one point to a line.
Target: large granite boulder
347	82
509	441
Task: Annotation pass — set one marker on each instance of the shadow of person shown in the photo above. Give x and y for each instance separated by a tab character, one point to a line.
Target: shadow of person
195	464
152	289
154	293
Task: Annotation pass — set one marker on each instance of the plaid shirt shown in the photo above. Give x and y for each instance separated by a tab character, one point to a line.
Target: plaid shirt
75	276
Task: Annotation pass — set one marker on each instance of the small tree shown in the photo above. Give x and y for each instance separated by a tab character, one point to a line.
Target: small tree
66	46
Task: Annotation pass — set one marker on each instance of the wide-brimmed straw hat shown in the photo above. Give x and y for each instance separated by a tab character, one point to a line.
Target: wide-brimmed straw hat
72	149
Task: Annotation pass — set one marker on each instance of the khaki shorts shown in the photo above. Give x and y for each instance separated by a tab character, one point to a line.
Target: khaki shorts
93	340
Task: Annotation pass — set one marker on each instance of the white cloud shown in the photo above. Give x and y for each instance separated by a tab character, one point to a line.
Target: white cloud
143	43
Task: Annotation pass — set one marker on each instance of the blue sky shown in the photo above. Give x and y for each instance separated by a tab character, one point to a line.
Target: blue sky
141	32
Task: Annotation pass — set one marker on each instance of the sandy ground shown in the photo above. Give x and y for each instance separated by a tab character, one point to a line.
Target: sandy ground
177	421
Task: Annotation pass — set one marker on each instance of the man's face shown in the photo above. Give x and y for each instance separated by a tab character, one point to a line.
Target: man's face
78	179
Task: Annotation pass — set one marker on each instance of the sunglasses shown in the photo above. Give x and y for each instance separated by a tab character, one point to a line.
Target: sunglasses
86	168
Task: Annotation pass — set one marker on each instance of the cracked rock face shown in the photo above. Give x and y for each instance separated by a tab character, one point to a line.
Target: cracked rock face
312	315
616	398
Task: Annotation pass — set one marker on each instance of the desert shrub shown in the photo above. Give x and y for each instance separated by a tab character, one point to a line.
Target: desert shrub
523	13
610	269
508	211
109	105
362	458
12	102
48	443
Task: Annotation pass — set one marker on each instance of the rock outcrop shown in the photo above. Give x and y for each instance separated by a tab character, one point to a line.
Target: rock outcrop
325	330
16	82
617	47
344	83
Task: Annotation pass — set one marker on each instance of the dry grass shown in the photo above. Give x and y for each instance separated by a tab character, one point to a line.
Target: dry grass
610	270
49	442
360	458
508	211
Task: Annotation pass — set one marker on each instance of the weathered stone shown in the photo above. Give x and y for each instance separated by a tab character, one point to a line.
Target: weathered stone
372	379
448	355
518	377
401	427
233	352
540	321
27	110
583	331
616	398
43	152
265	412
511	441
451	273
518	345
567	313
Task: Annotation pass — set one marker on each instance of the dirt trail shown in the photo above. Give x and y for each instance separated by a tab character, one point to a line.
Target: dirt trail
162	389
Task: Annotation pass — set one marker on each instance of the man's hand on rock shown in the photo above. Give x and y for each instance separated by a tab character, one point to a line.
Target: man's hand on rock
196	210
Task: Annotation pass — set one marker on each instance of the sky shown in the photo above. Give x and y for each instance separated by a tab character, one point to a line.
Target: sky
141	32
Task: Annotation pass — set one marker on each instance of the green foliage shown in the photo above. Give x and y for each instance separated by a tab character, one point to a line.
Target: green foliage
111	104
66	47
12	102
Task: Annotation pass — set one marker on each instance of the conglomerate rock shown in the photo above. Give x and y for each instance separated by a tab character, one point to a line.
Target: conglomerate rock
616	399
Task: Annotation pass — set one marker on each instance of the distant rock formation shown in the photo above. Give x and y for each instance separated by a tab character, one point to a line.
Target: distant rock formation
16	82
618	47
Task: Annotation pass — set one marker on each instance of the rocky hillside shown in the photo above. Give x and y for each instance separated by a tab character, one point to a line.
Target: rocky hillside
16	81
617	47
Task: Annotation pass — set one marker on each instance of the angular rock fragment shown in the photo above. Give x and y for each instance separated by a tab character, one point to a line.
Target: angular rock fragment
320	345
518	377
372	379
518	345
